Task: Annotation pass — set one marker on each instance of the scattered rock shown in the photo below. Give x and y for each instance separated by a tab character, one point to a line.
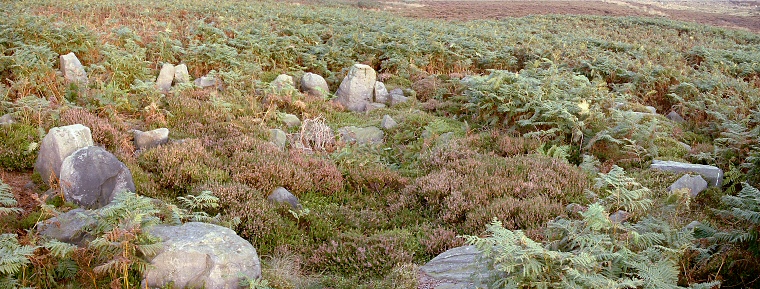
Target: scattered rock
651	109
366	135
282	195
72	69
283	82
165	77
674	116
381	93
693	225
620	216
181	75
150	139
290	120
69	227
685	146
713	175
278	138
397	96
58	144
695	184
207	81
388	122
374	106
7	119
315	85
457	268
201	255
356	90
91	177
574	208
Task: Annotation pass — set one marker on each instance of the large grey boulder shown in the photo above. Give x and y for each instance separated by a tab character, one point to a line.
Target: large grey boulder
278	137
381	93
363	135
695	184
151	139
58	144
165	77
281	195
713	175
69	227
72	68
181	75
388	122
314	84
459	267
201	255
91	177
357	88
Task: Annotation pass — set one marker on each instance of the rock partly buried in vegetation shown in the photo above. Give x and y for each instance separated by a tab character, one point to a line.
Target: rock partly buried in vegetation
181	75
72	69
69	227
397	96
381	93
363	135
165	78
208	81
7	119
674	116
283	82
282	196
695	184
357	88
388	122
151	139
91	177
459	267
201	255
278	137
713	175
651	109
314	84
58	144
619	216
374	106
290	120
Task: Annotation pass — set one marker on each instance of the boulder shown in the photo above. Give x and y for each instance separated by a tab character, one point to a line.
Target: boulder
356	90
7	119
165	77
381	93
278	138
150	139
695	184
459	267
364	135
69	227
713	175
58	144
283	82
397	96
281	195
388	122
72	69
91	177
674	116
290	120
314	84
201	255
181	75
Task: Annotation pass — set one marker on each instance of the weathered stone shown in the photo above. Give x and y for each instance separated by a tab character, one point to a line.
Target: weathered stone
278	138
651	109
201	255
181	75
290	120
72	69
685	146
315	85
58	144
7	119
574	208
674	116
165	78
693	225
283	82
620	216
695	184
459	267
69	227
381	93
356	90
397	96
713	175
91	177
365	135
374	105
388	122
207	81
150	139
282	195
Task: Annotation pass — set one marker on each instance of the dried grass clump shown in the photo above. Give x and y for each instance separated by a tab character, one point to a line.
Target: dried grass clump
111	134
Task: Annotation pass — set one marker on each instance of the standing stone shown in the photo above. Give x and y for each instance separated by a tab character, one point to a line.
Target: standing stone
58	144
381	93
91	177
278	138
283	82
366	135
151	139
456	268
695	184
165	78
181	75
72	69
713	175
397	96
388	122
314	84
674	116
282	195
201	255
356	90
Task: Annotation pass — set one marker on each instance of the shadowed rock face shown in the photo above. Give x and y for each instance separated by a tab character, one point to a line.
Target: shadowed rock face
59	143
91	177
357	88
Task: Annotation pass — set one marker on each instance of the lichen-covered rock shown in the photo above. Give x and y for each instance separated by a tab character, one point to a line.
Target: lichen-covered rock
357	88
69	227
278	137
72	69
695	184
181	75
150	139
388	122
290	120
58	144
201	255
91	177
713	175
364	135
281	195
283	82
165	77
397	96
381	93
314	84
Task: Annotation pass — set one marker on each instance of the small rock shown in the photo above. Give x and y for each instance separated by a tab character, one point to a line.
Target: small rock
7	119
165	78
713	175
388	122
70	227
460	267
290	120
356	89
151	139
397	96
685	146
574	208
374	106
283	82
59	143
91	177
674	116
207	81
693	225
181	75
695	184
315	85
381	93
278	138
282	195
72	69
366	135
651	109
620	216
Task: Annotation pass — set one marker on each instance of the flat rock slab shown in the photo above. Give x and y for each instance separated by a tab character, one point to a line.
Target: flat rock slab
695	184
713	175
91	177
459	267
59	143
69	227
